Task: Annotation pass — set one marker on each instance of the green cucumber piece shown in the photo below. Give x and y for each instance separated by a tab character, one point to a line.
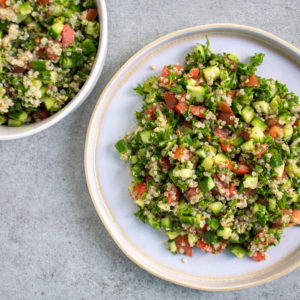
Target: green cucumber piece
92	28
250	182
207	184
172	247
56	29
220	158
39	65
248	114
224	233
211	74
14	123
216	207
19	116
272	205
25	9
238	251
258	122
172	234
207	163
257	134
248	146
121	146
262	107
198	92
88	46
166	222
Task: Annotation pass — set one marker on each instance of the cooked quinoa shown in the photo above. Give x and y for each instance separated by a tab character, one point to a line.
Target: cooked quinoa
47	50
215	157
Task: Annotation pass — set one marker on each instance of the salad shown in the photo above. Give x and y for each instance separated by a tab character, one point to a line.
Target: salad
215	156
47	50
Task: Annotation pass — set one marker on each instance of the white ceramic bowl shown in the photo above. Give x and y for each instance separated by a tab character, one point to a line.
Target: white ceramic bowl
108	177
9	133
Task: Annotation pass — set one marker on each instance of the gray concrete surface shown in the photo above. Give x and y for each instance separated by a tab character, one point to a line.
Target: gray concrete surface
52	243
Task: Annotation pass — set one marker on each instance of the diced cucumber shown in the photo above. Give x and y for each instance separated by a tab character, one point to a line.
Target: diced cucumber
225	233
88	46
92	28
193	239
220	158
236	107
216	207
214	224
207	184
172	234
19	116
238	251
14	123
67	63
223	74
279	171
51	104
258	122
288	132
257	134
56	29
164	206
248	146
250	182
248	114
121	146
293	170
272	205
172	247
140	202
166	222
207	163
145	136
154	222
211	74
262	107
238	141
191	82
243	99
274	104
233	56
200	51
206	151
197	220
198	92
276	160
259	208
183	173
186	220
39	65
25	9
273	89
2	120
53	76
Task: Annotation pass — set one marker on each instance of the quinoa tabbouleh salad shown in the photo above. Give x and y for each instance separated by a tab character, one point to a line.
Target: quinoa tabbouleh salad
47	50
215	156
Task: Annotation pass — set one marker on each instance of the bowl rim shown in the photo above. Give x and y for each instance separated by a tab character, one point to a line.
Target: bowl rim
90	147
11	133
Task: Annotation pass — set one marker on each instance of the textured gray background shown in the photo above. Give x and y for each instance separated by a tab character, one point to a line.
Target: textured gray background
52	243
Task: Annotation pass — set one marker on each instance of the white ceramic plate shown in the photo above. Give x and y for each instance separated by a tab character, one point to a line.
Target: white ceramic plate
108	177
10	133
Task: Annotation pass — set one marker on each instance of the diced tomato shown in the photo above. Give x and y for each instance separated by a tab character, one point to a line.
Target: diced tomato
259	256
181	107
252	81
243	168
222	138
140	189
232	94
197	110
296	123
41	53
272	122
43	2
178	69
68	36
224	147
183	154
262	239
249	192
194	73
165	71
261	149
245	135
296	215
232	189
3	3
232	65
201	80
224	107
18	69
276	131
173	194
287	212
165	163
150	111
228	165
53	57
148	178
226	117
221	132
187	124
192	192
92	14
182	244
40	115
205	247
170	99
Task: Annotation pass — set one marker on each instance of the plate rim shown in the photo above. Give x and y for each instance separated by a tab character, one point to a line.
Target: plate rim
220	26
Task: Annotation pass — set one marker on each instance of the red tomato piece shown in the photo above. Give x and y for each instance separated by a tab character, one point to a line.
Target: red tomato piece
232	190
3	3
205	247
261	149
296	123
243	168
182	244
221	132
43	2
224	107
201	80
296	215
150	111
232	65
165	163
194	73
192	192
181	107
259	256
177	69
197	110
228	165
224	147
226	117
252	81
245	135
173	194
53	57
170	99
183	154
232	94
276	131
140	189
148	178
68	36
92	14
272	122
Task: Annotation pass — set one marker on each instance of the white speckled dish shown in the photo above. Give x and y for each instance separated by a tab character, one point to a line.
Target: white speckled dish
108	177
10	133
